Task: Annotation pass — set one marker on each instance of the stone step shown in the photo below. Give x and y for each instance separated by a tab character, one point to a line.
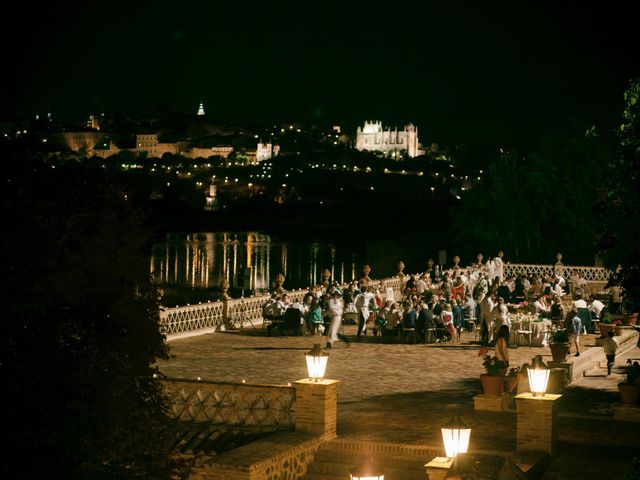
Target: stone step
334	459
577	366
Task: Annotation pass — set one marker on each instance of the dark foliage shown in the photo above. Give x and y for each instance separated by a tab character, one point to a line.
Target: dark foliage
619	202
79	330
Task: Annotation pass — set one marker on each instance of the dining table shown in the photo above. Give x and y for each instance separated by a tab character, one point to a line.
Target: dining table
540	330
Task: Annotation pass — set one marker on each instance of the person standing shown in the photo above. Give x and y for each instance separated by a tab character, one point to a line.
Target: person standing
610	347
499	266
575	329
362	304
502	348
486	323
336	308
500	315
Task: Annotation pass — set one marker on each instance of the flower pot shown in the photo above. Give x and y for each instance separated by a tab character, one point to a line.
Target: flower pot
559	351
492	384
630	319
510	384
605	328
629	393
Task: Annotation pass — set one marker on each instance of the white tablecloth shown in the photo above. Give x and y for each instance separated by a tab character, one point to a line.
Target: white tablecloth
538	328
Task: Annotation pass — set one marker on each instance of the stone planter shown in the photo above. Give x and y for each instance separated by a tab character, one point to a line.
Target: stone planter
629	393
492	384
605	328
559	351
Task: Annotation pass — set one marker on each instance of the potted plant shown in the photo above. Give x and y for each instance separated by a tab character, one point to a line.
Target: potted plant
511	380
559	345
630	308
493	379
605	325
630	388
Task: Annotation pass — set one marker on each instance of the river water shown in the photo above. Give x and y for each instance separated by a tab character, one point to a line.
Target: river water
190	267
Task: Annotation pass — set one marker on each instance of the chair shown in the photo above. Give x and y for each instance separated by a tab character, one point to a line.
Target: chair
524	330
442	333
430	335
473	328
406	330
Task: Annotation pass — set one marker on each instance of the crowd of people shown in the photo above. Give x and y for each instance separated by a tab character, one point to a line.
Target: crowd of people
438	301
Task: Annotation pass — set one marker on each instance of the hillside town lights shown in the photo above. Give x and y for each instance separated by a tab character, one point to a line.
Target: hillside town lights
455	436
538	378
316	362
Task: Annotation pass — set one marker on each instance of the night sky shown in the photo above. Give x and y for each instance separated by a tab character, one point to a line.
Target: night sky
499	71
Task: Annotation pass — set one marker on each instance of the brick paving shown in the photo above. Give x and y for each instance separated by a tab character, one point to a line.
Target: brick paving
404	393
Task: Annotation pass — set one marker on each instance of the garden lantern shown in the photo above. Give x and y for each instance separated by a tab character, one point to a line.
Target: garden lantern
366	471
538	378
316	362
455	435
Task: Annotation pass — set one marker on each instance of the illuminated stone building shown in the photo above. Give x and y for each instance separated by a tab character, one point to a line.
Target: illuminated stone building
393	143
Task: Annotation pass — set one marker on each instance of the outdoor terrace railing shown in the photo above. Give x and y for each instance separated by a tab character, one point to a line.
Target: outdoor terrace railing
590	274
255	408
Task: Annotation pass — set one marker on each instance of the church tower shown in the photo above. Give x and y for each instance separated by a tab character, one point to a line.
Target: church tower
201	109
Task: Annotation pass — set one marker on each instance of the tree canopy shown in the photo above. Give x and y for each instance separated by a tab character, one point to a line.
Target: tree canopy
80	329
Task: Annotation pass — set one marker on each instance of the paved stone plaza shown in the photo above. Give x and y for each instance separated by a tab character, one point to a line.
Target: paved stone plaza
404	393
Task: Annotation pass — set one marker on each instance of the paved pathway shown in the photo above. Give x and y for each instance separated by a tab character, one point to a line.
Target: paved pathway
403	393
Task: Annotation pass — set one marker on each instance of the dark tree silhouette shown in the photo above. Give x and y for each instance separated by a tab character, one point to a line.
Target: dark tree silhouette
79	329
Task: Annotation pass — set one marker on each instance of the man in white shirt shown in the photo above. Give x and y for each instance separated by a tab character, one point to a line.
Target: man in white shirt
421	285
362	304
596	308
579	302
499	265
486	322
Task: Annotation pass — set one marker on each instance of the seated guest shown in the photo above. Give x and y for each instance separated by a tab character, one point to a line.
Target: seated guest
579	302
557	309
425	319
541	307
410	317
504	292
596	309
447	320
394	316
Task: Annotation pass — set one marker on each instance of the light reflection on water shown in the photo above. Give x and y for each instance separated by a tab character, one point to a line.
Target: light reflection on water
201	261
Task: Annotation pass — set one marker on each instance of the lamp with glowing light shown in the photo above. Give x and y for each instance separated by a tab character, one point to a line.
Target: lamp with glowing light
455	436
366	471
316	362
538	377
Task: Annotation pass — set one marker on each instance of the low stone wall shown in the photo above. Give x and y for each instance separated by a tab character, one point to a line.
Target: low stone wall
281	456
254	408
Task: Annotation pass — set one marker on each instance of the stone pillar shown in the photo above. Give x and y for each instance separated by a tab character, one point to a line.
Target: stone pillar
438	468
537	428
317	407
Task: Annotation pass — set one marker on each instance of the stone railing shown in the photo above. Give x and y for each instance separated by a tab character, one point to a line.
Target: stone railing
234	313
590	274
204	316
255	408
238	313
